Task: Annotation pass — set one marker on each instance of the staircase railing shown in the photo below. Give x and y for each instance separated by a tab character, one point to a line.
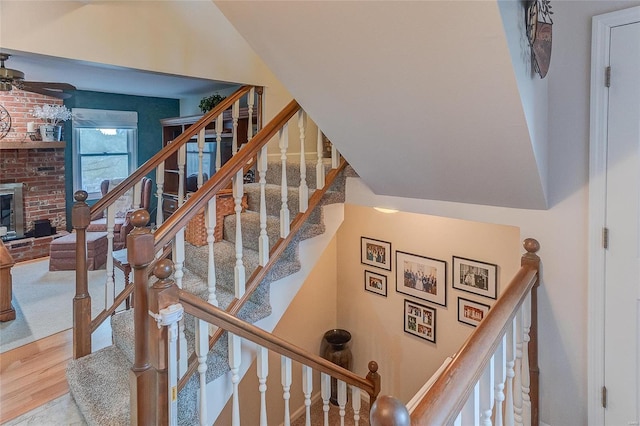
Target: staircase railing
493	379
82	214
146	249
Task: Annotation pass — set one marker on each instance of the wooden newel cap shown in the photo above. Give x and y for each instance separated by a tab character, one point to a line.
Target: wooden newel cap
373	366
140	218
80	195
531	245
163	269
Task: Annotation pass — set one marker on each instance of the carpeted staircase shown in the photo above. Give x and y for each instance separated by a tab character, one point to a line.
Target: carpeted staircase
99	382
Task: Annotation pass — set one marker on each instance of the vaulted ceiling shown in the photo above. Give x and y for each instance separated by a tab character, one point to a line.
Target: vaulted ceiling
420	97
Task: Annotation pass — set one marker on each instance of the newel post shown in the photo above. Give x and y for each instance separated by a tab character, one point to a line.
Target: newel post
80	218
163	298
531	259
374	378
142	380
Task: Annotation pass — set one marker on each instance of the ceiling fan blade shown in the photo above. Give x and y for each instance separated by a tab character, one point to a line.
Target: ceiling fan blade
48	85
46	92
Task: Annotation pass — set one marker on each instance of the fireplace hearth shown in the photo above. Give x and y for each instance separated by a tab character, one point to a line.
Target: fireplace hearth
12	210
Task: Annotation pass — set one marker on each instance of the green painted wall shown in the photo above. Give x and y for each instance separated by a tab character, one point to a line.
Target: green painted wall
150	112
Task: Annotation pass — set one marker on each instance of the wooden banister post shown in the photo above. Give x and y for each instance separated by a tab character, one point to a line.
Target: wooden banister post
142	380
162	294
374	378
80	218
530	258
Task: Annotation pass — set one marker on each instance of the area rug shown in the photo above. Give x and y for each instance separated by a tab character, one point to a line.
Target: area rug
43	301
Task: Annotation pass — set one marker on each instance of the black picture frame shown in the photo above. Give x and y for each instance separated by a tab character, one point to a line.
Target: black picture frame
375	253
471	312
375	283
420	320
474	276
422	277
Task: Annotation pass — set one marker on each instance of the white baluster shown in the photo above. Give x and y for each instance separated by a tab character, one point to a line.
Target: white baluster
511	354
177	253
307	388
335	157
210	223
235	113
486	393
182	159
517	380
110	286
263	241
500	371
263	373
250	103
342	400
202	348
284	209
159	192
470	411
458	420
303	189
356	400
201	139
286	387
235	357
239	270
325	393
172	371
526	382
219	125
320	163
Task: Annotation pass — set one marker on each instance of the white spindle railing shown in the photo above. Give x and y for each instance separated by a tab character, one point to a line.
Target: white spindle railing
219	126
235	358
325	392
356	401
303	189
517	380
235	113
286	387
250	103
239	270
202	348
210	223
263	241
500	371
263	373
526	382
109	287
182	160
159	193
319	163
342	400
284	191
511	361
201	142
307	388
486	394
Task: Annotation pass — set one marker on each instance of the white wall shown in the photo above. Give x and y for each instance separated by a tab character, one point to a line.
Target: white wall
376	322
561	230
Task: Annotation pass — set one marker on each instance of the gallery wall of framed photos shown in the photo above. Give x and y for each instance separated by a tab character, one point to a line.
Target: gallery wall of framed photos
396	290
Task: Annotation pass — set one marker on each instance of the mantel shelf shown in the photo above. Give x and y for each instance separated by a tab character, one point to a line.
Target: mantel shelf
31	145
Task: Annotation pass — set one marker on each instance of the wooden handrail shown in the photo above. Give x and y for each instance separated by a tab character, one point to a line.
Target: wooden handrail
195	306
447	396
166	152
165	233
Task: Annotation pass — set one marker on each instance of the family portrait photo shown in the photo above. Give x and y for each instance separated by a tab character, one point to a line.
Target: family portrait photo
375	253
470	312
475	277
375	283
421	277
420	320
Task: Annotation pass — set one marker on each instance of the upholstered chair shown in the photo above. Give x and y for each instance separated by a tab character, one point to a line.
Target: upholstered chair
124	207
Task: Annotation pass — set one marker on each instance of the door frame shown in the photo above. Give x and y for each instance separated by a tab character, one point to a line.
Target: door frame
600	41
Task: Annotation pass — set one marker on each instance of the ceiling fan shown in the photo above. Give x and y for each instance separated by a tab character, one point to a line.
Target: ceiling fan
13	78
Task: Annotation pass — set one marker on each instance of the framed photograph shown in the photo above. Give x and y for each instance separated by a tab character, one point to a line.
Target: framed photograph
375	253
470	312
375	283
475	277
420	320
421	277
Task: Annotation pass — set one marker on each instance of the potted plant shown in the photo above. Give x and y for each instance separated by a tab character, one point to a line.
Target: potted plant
209	102
52	115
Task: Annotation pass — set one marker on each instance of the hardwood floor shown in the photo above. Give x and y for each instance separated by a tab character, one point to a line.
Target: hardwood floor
38	366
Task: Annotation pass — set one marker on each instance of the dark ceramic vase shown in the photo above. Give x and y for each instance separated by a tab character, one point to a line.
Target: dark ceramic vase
335	348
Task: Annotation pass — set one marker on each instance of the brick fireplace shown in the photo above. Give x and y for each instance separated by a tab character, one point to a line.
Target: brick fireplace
41	172
39	167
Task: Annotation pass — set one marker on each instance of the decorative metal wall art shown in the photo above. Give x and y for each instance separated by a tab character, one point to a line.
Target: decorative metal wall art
538	24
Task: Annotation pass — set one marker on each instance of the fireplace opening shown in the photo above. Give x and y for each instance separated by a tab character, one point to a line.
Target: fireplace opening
11	211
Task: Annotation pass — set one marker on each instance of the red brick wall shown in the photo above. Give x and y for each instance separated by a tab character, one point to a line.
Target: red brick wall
42	172
20	104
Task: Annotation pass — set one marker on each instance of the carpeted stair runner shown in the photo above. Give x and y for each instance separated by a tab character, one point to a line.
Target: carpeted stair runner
99	383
